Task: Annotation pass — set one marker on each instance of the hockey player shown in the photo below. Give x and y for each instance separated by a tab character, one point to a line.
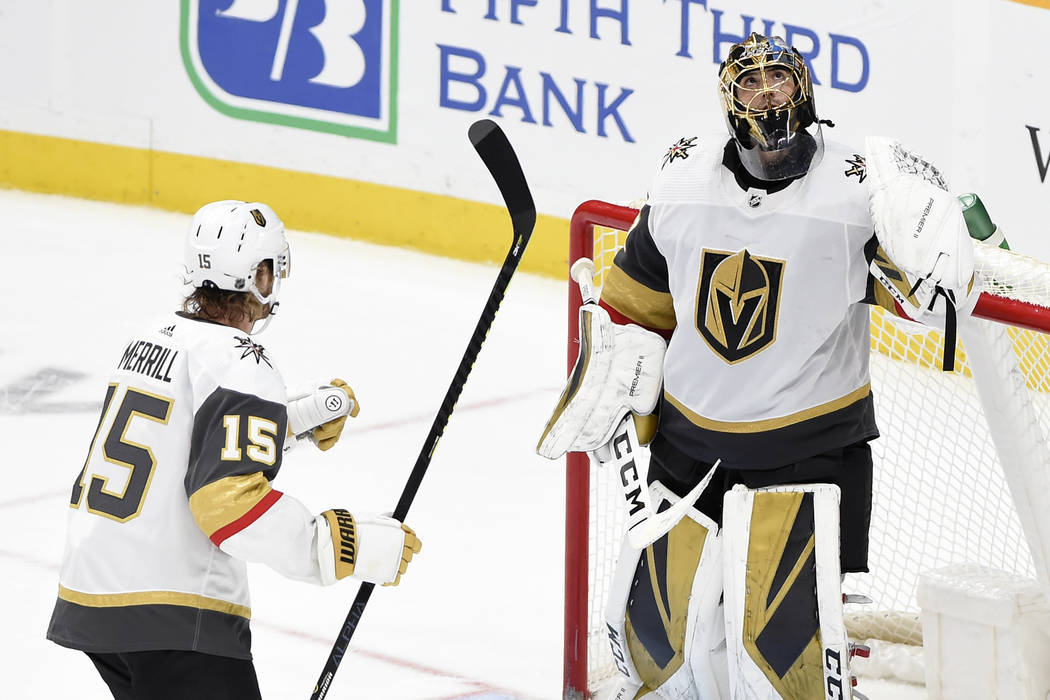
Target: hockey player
175	495
754	257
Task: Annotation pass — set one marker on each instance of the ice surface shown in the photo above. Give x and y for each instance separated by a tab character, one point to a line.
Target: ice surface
479	614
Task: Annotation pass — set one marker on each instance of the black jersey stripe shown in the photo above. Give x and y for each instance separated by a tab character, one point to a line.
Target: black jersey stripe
640	258
149	627
774	447
637	284
210	460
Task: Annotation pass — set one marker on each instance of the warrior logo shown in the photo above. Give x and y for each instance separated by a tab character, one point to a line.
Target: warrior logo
857	167
679	150
737	303
252	349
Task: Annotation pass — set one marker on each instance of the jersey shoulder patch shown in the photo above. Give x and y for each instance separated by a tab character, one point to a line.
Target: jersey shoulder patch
251	350
856	167
688	171
228	357
679	150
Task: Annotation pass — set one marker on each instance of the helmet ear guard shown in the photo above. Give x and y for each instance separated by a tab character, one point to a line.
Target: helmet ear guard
776	129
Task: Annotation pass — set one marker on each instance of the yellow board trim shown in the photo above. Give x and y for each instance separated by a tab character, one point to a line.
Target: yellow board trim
769	423
364	211
1045	4
120	600
222	502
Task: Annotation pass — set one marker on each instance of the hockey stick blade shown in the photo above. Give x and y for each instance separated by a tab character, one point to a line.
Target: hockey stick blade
498	155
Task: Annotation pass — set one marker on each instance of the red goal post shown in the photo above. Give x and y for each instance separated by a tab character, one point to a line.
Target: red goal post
1019	299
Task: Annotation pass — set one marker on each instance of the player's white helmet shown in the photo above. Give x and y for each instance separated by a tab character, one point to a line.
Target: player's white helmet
227	242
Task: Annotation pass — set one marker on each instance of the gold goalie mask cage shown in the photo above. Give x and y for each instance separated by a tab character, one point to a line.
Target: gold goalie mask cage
767	97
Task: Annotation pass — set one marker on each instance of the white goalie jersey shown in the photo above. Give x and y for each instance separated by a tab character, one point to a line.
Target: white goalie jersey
762	295
174	496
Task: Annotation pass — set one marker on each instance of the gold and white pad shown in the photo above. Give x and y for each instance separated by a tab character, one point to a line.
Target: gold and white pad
619	368
663	617
785	634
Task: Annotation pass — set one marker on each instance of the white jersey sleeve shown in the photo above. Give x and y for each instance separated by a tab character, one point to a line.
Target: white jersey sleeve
239	428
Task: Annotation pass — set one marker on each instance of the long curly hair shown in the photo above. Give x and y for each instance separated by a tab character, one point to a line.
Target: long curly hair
216	304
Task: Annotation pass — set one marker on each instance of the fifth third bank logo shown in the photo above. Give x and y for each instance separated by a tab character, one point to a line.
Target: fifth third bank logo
326	65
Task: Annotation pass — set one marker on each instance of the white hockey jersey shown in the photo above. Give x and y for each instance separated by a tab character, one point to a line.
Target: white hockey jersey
762	297
175	496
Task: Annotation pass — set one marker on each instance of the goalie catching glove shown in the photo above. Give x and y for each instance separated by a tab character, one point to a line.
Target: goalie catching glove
925	250
373	548
320	412
619	369
921	229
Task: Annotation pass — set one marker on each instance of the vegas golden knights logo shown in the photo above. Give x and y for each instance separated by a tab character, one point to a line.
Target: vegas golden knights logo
737	302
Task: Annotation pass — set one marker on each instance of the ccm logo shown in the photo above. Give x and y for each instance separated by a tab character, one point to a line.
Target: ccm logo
617	651
833	674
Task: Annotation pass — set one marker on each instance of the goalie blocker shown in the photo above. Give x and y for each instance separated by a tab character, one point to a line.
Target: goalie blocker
619	369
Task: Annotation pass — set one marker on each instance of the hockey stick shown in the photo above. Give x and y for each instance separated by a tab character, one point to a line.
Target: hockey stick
498	155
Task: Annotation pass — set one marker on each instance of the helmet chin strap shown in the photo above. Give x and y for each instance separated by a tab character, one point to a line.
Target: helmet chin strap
265	321
271	300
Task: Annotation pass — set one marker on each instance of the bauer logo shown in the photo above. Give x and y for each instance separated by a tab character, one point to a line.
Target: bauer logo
324	65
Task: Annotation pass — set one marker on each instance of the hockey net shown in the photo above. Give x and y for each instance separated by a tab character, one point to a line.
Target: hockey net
941	495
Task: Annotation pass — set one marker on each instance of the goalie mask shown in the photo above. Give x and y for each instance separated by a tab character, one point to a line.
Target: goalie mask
227	243
767	96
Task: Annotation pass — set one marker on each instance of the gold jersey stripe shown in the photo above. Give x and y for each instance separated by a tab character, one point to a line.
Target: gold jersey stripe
759	426
222	502
638	302
119	600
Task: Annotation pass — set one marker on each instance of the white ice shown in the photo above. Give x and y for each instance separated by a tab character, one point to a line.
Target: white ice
479	614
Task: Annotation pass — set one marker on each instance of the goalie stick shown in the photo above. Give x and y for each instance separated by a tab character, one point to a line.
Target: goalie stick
498	155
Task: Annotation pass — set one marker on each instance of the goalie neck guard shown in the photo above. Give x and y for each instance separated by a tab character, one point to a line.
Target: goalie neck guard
767	97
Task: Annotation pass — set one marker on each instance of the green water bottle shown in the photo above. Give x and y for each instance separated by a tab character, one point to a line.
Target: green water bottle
979	224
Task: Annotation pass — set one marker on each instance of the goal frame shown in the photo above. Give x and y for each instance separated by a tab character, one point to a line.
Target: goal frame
587	216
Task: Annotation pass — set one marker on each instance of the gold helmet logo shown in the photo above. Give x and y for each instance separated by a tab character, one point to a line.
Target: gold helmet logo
737	302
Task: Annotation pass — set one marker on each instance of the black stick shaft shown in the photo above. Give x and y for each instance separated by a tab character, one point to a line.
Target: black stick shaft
498	155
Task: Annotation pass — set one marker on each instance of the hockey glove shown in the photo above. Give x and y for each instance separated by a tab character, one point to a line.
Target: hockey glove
373	548
321	413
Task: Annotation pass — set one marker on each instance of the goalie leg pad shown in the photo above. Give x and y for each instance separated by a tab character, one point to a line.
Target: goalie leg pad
619	369
786	638
663	616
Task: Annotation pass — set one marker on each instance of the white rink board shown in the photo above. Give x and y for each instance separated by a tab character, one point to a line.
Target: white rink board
960	82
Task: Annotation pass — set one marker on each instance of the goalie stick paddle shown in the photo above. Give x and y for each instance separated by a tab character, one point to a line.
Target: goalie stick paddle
495	150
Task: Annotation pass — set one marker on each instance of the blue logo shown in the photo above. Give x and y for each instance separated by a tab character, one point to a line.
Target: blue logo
325	65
